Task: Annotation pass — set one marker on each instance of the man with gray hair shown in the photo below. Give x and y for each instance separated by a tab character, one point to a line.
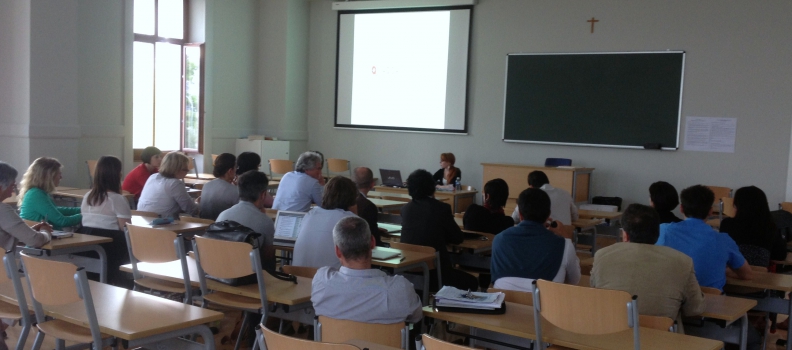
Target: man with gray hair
12	228
303	186
357	292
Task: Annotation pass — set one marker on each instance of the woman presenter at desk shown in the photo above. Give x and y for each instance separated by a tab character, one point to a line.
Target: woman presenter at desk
445	177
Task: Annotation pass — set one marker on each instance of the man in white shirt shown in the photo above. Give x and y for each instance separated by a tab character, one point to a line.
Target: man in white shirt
562	207
303	186
357	292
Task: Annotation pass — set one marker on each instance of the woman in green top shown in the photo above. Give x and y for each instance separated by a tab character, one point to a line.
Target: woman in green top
39	181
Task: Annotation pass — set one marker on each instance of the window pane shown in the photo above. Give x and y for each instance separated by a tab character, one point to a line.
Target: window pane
171	19
142	95
192	95
144	17
168	96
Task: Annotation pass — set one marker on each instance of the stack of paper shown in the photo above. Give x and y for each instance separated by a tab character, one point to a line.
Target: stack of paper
452	297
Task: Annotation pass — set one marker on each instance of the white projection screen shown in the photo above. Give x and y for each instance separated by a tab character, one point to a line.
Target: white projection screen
403	70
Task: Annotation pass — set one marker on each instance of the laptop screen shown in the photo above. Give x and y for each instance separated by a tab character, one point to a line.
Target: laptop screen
287	224
391	177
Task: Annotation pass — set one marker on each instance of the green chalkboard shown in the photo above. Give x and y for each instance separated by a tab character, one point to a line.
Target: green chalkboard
621	99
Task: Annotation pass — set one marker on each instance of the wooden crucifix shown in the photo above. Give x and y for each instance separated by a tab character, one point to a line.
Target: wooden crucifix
592	21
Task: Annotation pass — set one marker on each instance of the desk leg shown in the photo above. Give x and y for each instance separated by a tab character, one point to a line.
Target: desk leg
169	340
425	299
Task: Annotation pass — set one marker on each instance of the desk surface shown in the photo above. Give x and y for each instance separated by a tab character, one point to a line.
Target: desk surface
410	258
203	176
124	313
592	214
584	223
77	240
385	204
764	280
384	190
176	226
10	200
79	193
278	291
476	244
519	321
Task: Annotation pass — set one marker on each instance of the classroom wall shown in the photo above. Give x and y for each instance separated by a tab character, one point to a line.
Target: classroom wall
737	66
15	82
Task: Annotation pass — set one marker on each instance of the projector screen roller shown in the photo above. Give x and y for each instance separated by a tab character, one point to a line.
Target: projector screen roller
403	70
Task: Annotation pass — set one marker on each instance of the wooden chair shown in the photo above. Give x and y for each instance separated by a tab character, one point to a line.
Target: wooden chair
719	192
726	208
214	158
335	165
433	265
192	166
54	283
340	331
301	271
152	245
188	218
614	311
272	340
515	296
91	171
787	206
20	311
431	343
226	259
656	322
280	166
145	213
710	290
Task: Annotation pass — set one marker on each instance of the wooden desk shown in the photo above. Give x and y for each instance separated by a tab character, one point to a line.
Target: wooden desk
200	176
519	321
64	249
79	193
596	214
787	261
12	201
386	205
576	181
771	281
177	226
192	182
459	200
133	316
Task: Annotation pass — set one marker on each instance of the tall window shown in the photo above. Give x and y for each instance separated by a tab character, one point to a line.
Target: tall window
167	78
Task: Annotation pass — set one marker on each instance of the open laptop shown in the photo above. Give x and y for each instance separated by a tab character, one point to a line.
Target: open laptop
391	178
287	226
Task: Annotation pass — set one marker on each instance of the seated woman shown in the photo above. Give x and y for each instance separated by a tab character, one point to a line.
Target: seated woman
489	218
12	228
136	179
753	226
165	193
39	181
448	174
105	213
664	198
221	193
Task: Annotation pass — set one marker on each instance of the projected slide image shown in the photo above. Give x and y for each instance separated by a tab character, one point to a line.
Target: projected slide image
399	69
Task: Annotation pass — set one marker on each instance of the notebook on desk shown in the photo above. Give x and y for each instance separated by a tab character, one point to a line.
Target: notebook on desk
383	254
391	178
287	225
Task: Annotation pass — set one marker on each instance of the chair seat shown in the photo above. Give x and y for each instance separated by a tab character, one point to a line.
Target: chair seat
233	300
556	347
9	311
63	330
162	285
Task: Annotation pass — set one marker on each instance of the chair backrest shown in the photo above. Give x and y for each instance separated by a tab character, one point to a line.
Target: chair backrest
214	158
786	206
432	343
558	162
58	283
720	191
727	207
151	245
656	322
302	271
192	166
515	296
710	290
570	308
280	166
276	341
187	218
340	331
224	259
91	171
144	213
335	165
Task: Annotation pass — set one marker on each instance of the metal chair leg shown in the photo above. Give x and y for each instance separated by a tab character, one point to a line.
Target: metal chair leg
38	341
242	329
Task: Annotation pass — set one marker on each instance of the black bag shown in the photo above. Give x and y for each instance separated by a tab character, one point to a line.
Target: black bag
617	201
235	232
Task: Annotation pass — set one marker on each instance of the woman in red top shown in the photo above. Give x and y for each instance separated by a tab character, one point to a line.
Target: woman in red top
136	179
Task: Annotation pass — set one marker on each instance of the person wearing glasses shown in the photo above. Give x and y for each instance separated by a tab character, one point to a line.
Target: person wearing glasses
164	192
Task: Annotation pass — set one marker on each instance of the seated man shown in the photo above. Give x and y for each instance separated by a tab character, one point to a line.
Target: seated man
661	277
429	222
303	186
252	187
531	250
314	245
364	179
710	250
562	207
357	292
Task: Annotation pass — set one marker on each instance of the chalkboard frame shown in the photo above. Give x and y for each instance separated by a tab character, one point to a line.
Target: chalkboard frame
516	118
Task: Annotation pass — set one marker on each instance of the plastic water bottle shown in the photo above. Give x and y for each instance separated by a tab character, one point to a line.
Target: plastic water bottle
457	184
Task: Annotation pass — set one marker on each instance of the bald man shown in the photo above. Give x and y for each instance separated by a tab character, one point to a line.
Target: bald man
364	179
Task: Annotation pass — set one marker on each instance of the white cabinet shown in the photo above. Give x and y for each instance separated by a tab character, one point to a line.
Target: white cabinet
267	149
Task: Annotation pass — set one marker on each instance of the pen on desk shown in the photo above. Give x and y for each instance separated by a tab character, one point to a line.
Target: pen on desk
402	258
